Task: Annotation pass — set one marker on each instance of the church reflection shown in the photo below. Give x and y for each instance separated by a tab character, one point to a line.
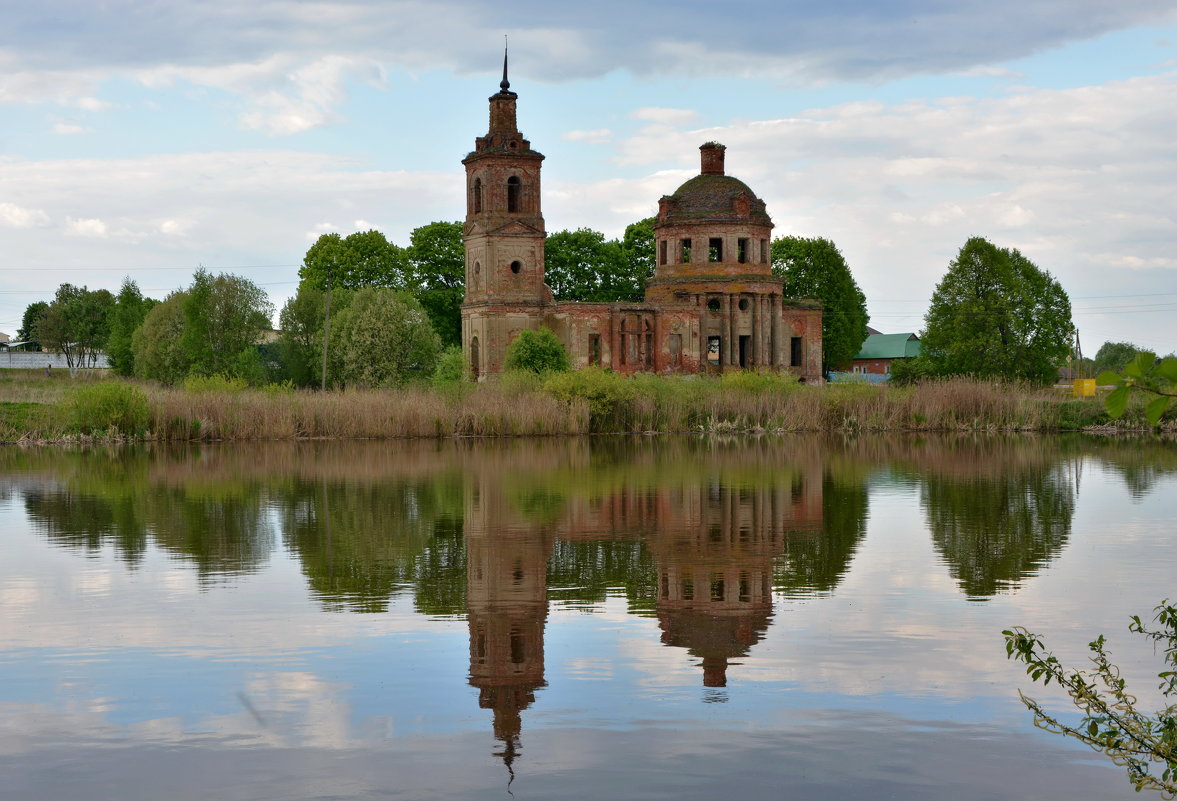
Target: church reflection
715	549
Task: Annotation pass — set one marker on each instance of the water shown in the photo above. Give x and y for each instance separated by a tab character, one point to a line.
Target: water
651	618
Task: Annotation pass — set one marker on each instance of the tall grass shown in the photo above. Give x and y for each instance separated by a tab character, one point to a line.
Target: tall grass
585	401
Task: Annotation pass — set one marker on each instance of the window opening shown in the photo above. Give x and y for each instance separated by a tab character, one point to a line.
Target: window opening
795	352
742	251
715	249
594	347
717	587
745	588
516	266
477	195
514	193
745	349
713	304
684	247
474	357
713	351
688	587
477	268
744	304
662	252
517	647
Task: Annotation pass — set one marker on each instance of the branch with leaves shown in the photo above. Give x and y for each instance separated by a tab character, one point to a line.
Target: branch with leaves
1111	722
1146	373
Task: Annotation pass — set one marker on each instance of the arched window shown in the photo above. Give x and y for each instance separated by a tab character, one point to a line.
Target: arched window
477	196
516	266
514	193
474	364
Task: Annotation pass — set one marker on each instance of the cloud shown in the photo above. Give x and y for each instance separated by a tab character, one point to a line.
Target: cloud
15	216
69	129
89	227
665	116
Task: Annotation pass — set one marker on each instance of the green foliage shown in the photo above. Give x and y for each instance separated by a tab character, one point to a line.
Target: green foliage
105	405
583	265
129	311
451	368
995	314
606	393
1114	356
637	245
357	260
224	316
1146	373
301	321
383	338
906	372
437	259
758	383
538	351
815	268
1111	722
76	324
155	344
32	315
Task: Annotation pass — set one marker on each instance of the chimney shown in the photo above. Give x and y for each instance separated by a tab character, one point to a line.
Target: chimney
711	157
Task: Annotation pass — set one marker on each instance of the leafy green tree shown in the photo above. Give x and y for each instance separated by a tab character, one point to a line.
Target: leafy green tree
76	324
224	316
995	314
129	311
361	259
1114	356
155	345
301	322
815	268
538	351
1111	722
583	265
32	315
382	339
437	259
638	247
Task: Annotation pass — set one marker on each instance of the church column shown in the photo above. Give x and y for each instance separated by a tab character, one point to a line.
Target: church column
754	356
777	312
701	321
728	330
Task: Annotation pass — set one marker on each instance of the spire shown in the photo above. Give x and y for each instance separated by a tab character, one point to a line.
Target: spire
505	85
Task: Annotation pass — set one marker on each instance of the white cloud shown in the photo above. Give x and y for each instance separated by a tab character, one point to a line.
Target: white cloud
69	129
87	227
665	116
15	216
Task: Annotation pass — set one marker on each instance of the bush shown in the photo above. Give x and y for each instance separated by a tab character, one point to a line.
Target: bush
537	351
107	405
451	367
906	372
756	383
606	393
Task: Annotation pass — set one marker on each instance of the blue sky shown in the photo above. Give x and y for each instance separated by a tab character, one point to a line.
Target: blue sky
146	139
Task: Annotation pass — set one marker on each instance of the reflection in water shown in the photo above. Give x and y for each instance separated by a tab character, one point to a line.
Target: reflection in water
998	514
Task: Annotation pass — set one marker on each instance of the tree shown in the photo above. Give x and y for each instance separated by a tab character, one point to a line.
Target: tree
155	345
1114	356
76	324
437	259
583	265
995	314
301	322
28	323
224	316
129	311
383	338
537	351
1111	722
815	268
637	245
357	260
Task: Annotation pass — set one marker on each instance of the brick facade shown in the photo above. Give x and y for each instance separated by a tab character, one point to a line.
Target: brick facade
713	303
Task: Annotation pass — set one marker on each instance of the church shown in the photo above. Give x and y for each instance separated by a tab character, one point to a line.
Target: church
712	304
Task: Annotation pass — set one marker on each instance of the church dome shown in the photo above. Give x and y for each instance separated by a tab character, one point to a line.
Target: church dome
712	195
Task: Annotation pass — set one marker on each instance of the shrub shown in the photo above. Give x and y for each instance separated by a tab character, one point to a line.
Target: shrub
606	393
107	405
756	383
451	367
905	372
537	351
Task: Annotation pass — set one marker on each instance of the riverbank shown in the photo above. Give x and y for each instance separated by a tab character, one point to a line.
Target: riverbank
35	409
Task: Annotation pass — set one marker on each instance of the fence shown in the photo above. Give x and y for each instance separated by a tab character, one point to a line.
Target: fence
32	360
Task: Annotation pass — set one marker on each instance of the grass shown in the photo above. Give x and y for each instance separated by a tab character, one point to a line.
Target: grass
36	409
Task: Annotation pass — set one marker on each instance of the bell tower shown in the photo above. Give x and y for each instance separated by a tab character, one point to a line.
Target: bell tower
504	237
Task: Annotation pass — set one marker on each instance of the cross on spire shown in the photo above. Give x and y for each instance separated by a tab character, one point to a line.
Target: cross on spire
505	85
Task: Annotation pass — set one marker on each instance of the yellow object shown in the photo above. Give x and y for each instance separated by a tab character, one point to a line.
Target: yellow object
1083	388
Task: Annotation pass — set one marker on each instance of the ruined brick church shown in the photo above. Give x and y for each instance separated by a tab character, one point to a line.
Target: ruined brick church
712	304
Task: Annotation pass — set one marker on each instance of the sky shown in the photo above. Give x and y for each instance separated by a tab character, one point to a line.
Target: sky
147	139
